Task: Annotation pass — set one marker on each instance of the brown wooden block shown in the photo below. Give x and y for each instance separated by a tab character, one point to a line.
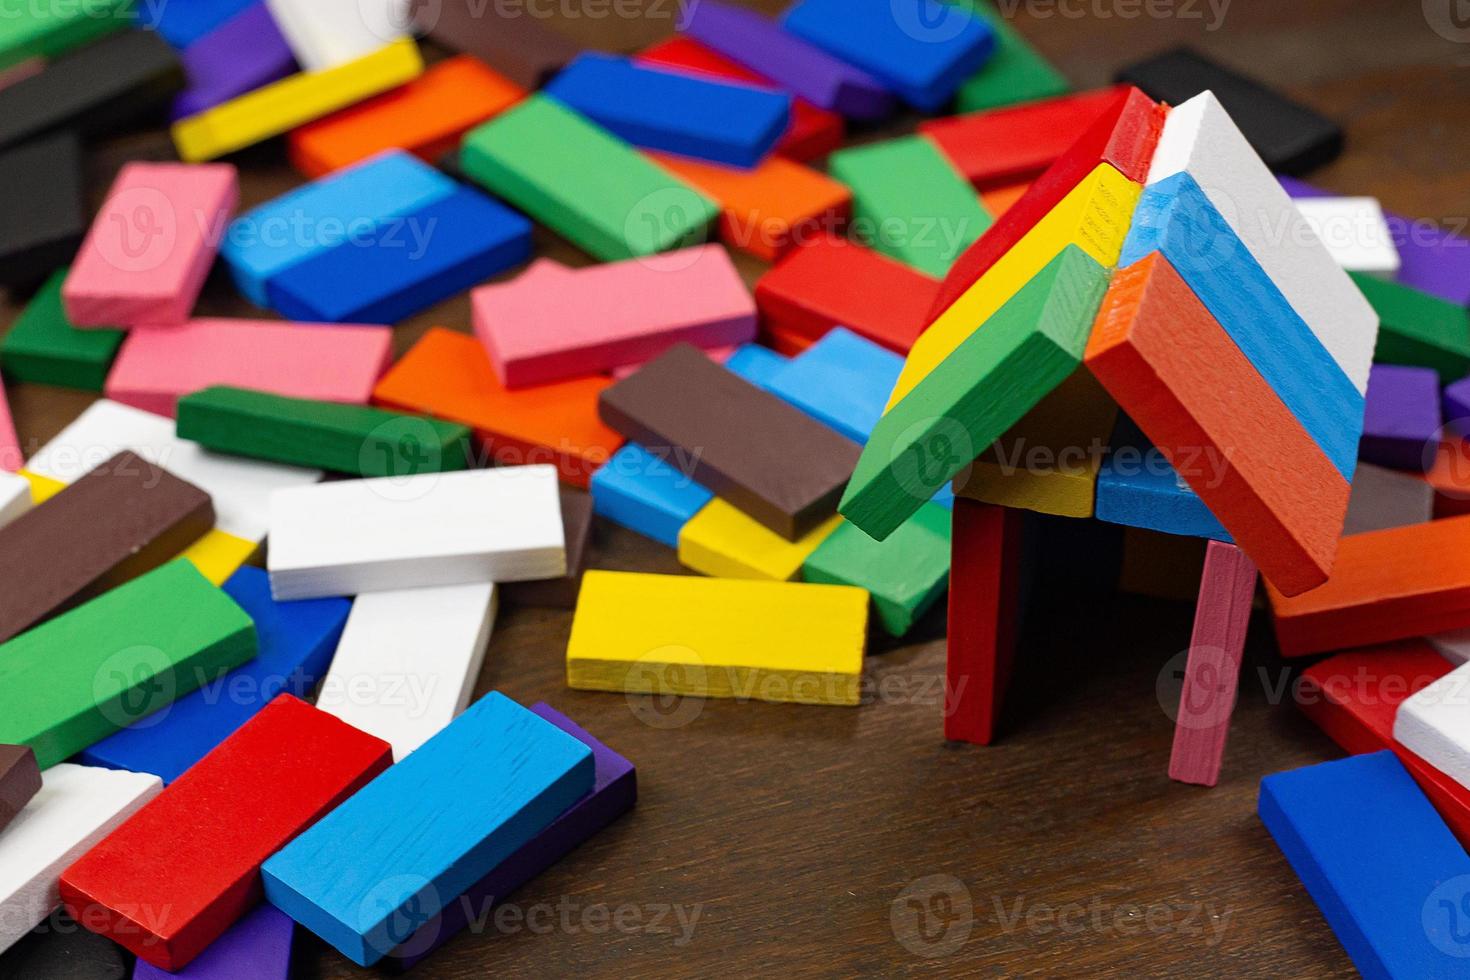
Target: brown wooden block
20	779
561	593
514	42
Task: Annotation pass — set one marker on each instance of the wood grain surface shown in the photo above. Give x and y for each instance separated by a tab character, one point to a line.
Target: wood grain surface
806	841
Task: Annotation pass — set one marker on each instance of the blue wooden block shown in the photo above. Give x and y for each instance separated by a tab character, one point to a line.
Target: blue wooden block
679	113
923	49
1174	217
645	494
297	642
1387	874
842	380
408	264
396	853
268	240
182	22
756	364
1137	487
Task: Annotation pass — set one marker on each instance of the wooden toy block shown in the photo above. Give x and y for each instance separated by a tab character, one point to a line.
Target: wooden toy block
294	101
94	90
327	33
20	780
352	439
1200	139
47	31
787	343
1453	647
922	49
1289	137
1456	406
999	200
65	951
473	527
614	791
187	856
467	800
1137	487
11	456
813	132
42	220
1355	232
683	401
238	56
1431	724
182	26
427	117
718	638
151	245
25	69
1418	329
1212	671
673	111
842	381
154	368
561	592
1384	914
124	518
909	203
1387	585
603	317
1449	478
645	494
722	542
1001	146
979	391
1401	422
296	642
905	575
408	661
984	613
1384	498
1016	72
15	497
1182	379
583	182
833	282
76	679
770	208
258	947
76	807
524	49
791	63
44	347
448	375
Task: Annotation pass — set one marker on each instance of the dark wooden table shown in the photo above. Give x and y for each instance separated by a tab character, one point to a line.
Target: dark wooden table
819	841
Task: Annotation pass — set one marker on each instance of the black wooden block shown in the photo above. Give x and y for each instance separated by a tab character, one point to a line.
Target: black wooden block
42	208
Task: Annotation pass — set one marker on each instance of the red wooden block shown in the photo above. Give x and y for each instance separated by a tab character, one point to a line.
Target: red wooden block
831	281
984	592
183	869
1124	135
1213	669
787	343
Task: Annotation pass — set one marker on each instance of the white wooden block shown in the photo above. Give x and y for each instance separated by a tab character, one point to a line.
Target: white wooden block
498	525
1355	233
240	488
1435	724
76	807
408	661
1453	646
1200	138
326	33
15	497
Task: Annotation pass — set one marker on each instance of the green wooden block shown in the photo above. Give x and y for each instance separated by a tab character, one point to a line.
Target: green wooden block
1016	72
905	574
1417	329
46	29
43	347
984	387
910	203
351	439
583	182
113	661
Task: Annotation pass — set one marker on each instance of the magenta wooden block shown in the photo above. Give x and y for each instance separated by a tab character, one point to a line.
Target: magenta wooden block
335	363
150	248
11	456
1401	417
801	68
258	947
241	55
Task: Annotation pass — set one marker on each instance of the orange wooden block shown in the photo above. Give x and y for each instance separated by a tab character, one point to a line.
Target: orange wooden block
998	200
426	117
764	211
1388	585
448	375
784	341
1174	370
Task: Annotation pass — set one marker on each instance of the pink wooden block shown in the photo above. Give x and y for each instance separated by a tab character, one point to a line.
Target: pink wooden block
1213	668
547	326
337	362
11	457
149	250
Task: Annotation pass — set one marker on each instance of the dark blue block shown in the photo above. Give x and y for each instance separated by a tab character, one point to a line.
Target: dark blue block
1137	487
182	22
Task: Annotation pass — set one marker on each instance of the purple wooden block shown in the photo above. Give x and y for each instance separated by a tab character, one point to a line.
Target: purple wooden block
614	790
258	947
1401	417
804	69
1456	406
242	54
1431	259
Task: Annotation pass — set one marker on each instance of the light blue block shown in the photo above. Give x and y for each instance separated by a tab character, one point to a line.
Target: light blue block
1137	487
756	364
842	380
406	845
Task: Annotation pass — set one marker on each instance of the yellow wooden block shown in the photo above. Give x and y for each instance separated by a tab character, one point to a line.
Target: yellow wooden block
1095	217
1048	461
43	488
294	101
218	555
721	638
723	542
